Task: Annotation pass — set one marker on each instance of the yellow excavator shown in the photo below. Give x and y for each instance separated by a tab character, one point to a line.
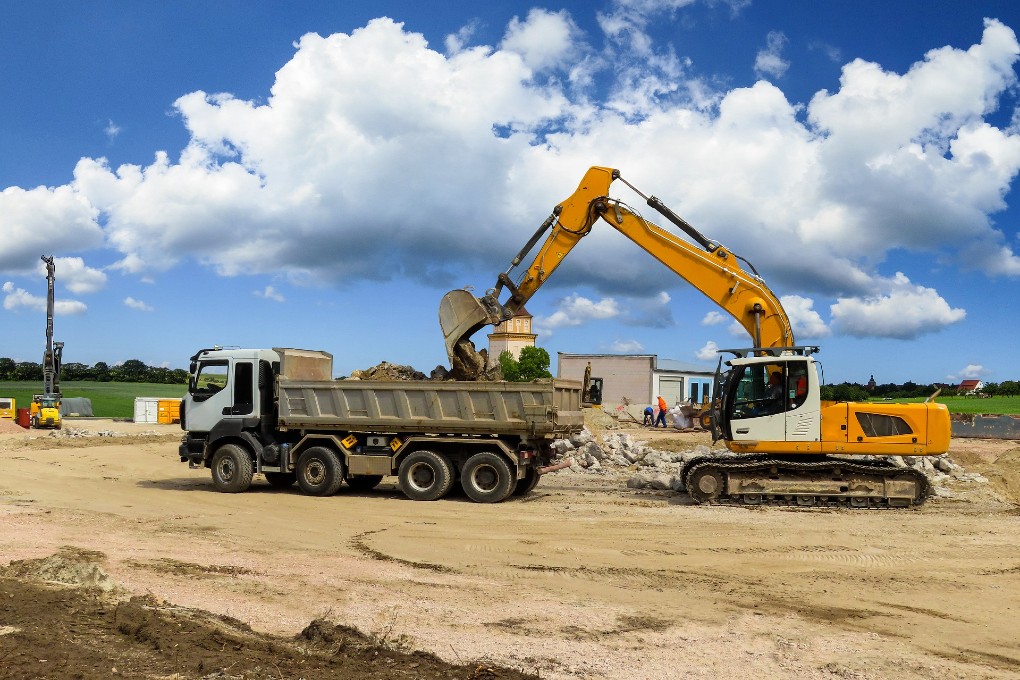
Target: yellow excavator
790	446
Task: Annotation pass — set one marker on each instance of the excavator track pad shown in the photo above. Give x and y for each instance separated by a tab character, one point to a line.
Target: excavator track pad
822	482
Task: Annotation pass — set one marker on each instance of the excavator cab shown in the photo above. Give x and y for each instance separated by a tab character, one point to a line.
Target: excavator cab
769	396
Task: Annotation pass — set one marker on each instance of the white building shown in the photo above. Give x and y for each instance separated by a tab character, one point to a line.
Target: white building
638	379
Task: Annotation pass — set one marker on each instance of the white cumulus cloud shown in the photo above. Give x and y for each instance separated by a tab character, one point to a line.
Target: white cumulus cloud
713	318
19	298
709	351
627	346
137	304
545	39
575	310
904	311
72	273
806	322
270	293
969	372
769	62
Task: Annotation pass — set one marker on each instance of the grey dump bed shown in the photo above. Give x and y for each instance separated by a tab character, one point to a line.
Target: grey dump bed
308	399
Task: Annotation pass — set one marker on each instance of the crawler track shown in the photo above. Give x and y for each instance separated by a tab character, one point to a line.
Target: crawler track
822	481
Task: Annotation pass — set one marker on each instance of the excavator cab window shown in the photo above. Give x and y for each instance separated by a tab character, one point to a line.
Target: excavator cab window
757	390
796	384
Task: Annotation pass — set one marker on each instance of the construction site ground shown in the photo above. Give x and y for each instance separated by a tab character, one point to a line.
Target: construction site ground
116	560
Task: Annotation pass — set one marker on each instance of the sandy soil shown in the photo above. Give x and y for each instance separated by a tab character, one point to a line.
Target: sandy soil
582	579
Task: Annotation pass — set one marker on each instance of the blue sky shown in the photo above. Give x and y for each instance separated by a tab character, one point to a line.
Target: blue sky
319	174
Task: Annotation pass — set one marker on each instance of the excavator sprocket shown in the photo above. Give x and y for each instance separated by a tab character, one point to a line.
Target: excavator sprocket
823	481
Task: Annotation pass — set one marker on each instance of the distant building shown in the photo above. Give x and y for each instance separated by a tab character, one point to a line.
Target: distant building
872	384
970	386
639	378
512	336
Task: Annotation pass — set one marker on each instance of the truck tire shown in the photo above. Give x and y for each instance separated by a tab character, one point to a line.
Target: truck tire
363	482
280	480
425	476
232	469
320	471
528	484
486	478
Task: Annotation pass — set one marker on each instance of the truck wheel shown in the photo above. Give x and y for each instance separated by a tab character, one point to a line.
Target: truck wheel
486	478
280	480
425	476
363	482
231	469
319	471
528	484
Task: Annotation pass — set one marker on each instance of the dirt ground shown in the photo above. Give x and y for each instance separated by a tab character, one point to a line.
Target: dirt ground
165	578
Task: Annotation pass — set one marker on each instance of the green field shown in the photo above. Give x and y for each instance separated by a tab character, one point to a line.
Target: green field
109	399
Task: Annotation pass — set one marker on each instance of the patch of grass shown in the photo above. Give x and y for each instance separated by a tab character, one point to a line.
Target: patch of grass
109	399
991	405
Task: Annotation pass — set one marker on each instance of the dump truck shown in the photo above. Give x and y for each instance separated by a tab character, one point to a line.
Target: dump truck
279	413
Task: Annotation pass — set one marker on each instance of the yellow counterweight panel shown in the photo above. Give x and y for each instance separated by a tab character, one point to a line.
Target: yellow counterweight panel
866	428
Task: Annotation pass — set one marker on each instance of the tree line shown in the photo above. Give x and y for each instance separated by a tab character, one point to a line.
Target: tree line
131	370
857	392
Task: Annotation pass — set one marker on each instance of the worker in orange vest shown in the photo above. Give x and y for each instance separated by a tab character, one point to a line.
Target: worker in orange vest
661	417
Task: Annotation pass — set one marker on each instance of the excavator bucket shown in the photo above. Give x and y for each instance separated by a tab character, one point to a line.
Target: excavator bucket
461	314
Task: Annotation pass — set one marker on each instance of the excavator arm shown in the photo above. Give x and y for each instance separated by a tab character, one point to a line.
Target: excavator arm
708	266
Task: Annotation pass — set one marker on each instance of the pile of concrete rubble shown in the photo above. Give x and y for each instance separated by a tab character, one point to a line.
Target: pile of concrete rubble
648	468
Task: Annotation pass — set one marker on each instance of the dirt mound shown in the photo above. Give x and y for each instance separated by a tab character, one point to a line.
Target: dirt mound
70	566
388	371
11	427
63	633
71	439
1005	475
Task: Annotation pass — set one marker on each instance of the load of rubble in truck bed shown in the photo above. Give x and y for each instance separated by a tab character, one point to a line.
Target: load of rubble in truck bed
475	372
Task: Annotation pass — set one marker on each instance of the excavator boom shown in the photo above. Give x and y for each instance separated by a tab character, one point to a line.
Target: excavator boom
709	267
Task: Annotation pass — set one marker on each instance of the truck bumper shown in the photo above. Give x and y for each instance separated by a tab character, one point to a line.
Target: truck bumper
192	452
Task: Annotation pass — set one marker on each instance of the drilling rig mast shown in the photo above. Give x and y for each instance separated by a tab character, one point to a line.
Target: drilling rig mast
46	406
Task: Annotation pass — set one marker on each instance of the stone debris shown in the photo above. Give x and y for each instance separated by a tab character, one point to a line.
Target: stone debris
620	453
75	433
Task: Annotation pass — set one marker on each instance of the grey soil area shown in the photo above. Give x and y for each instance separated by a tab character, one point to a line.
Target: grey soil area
116	560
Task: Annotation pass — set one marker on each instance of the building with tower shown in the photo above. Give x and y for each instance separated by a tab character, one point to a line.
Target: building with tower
512	336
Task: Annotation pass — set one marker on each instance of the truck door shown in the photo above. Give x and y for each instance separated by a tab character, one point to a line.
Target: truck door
221	389
210	393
